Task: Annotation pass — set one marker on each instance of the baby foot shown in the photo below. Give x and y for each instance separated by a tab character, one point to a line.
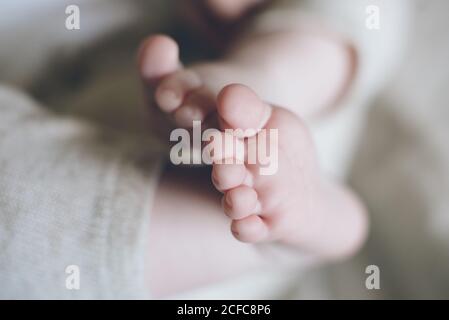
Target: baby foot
259	205
185	94
286	205
178	92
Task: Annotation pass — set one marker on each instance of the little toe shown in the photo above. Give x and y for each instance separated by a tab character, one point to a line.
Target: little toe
241	202
250	229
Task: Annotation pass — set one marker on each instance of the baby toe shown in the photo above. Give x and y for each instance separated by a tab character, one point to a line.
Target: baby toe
174	88
250	229
158	56
240	108
222	148
241	202
228	176
196	107
185	115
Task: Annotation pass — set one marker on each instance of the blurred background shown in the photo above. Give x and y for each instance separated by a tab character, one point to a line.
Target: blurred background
401	168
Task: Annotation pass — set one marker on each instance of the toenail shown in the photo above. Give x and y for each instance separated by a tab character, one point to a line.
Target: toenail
234	232
171	95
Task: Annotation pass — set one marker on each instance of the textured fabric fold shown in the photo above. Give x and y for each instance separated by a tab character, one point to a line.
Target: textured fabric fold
71	194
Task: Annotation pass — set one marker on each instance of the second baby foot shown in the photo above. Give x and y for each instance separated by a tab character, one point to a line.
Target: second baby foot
187	94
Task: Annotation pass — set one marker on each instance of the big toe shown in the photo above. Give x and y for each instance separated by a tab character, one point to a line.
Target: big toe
240	108
158	56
